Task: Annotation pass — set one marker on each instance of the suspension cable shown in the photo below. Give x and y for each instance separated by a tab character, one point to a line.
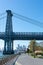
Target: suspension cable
2	17
1	14
29	20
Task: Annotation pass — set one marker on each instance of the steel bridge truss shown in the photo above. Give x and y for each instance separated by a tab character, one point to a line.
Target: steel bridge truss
8	36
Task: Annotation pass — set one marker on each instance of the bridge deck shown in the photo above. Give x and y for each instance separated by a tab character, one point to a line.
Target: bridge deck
28	35
22	36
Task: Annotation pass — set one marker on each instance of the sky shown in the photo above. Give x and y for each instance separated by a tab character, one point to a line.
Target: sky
29	8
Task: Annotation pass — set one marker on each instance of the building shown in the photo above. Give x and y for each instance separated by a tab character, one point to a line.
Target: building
20	49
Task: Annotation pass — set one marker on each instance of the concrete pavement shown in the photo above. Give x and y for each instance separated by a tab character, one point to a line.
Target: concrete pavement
25	59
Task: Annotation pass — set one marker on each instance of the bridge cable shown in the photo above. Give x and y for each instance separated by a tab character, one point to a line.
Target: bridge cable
2	17
29	20
1	14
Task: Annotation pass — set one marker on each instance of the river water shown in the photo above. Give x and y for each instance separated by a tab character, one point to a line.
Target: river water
2	56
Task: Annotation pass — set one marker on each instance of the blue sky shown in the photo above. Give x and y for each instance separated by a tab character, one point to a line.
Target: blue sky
29	8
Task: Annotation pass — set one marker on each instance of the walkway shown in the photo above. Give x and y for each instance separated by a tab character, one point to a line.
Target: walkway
25	59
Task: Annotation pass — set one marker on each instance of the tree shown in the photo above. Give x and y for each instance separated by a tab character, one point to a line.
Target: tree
32	45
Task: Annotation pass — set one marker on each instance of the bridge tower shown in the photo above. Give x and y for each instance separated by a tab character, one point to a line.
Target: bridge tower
8	45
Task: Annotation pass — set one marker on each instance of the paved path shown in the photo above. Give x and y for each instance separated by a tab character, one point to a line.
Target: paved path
25	59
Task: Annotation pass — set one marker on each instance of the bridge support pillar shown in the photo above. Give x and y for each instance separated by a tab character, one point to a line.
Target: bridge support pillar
8	47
